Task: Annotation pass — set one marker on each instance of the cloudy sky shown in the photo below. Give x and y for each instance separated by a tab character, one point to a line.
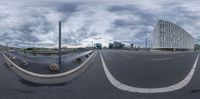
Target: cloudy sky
32	23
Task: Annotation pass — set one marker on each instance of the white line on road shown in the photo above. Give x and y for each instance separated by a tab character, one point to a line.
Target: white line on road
128	88
157	59
166	58
127	56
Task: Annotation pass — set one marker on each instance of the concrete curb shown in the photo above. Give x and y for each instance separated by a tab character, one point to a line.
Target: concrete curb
48	78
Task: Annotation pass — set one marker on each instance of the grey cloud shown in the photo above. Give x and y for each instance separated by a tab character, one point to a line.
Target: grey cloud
38	23
119	23
172	12
128	26
67	8
82	33
147	16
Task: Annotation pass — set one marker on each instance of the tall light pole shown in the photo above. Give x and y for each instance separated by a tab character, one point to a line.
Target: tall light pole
59	49
92	45
7	47
146	43
79	44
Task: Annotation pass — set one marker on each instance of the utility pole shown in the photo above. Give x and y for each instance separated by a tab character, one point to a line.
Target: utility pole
79	44
146	43
7	46
59	43
92	45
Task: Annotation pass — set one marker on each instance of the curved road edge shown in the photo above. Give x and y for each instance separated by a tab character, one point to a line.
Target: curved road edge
48	78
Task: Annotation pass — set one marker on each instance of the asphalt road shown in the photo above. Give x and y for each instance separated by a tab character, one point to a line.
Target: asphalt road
132	68
148	71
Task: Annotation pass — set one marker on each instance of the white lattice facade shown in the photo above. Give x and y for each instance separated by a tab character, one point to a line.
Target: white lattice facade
167	35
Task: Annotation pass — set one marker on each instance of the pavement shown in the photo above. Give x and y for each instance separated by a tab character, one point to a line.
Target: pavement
145	70
40	63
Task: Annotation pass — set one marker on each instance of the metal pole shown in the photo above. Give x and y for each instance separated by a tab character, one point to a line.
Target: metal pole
146	43
92	45
7	47
59	43
79	44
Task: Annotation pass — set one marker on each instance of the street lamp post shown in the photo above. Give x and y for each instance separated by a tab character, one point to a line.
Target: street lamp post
92	45
146	43
59	43
7	47
79	44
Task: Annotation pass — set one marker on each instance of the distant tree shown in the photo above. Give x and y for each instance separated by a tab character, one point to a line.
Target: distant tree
30	48
132	45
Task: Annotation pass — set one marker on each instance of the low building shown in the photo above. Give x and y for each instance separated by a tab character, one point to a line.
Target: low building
116	45
98	46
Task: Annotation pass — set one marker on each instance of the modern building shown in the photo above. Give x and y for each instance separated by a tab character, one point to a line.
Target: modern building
110	45
98	46
169	36
116	45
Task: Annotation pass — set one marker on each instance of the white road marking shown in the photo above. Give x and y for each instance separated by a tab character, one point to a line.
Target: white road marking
127	56
166	58
128	88
157	59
